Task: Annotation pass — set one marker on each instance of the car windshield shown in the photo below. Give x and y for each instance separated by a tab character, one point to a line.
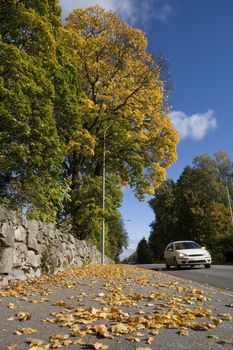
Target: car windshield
186	245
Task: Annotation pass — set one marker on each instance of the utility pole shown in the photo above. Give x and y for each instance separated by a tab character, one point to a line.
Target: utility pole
103	196
223	177
229	201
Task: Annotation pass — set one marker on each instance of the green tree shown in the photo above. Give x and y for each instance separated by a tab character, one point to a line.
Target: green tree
196	207
222	166
164	227
35	74
30	152
117	238
144	253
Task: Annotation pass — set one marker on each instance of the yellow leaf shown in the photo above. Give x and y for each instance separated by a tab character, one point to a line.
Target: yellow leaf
59	337
141	312
200	327
226	317
11	306
23	316
78	341
67	342
225	342
184	333
150	340
230	305
10	318
93	311
60	303
26	330
12	347
138	334
120	328
212	336
35	342
216	321
18	332
134	339
103	331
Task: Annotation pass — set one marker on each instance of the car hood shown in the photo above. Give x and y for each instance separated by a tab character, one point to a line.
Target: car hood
192	251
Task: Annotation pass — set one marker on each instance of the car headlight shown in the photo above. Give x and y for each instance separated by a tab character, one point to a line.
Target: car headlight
207	254
181	255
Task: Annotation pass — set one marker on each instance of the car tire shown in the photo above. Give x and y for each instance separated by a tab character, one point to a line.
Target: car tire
207	266
177	266
167	265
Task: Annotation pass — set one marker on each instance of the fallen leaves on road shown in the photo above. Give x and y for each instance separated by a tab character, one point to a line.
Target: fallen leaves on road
112	301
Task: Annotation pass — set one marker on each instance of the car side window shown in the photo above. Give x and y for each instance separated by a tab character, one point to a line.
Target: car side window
169	248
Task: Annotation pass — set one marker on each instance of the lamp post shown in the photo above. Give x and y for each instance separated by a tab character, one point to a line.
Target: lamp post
228	192
229	202
103	196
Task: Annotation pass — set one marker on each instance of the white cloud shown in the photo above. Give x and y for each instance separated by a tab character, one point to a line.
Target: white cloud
133	11
195	126
163	13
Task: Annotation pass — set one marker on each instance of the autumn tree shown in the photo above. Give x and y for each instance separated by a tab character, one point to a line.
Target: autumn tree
121	90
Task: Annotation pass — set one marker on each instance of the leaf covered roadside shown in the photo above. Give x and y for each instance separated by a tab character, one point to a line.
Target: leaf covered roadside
110	306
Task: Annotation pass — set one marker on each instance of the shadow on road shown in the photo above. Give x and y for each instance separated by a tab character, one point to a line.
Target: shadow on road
161	267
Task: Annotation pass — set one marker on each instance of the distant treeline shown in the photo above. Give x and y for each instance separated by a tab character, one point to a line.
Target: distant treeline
198	206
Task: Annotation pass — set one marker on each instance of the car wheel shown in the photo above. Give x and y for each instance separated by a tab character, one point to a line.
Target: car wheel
177	266
167	265
207	266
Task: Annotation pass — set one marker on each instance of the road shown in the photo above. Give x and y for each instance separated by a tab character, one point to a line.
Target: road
220	276
115	307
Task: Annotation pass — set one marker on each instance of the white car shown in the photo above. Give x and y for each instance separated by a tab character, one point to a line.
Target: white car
186	253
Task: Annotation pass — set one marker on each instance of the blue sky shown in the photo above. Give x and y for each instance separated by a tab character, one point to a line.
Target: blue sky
197	38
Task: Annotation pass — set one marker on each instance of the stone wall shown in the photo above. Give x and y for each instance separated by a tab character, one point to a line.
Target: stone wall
29	248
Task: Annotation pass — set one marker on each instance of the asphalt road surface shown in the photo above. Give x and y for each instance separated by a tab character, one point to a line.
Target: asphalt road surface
220	276
115	307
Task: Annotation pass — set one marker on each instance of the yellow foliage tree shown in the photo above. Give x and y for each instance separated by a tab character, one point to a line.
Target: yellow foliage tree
120	89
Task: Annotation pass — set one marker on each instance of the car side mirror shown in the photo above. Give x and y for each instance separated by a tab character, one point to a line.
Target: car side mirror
203	248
